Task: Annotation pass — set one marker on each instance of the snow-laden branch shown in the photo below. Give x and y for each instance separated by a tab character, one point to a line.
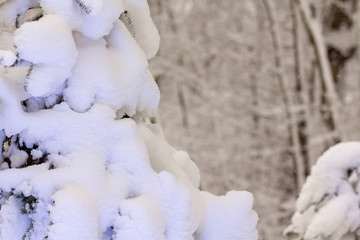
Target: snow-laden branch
328	204
11	113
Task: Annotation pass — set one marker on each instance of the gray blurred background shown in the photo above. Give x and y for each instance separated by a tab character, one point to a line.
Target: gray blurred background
256	90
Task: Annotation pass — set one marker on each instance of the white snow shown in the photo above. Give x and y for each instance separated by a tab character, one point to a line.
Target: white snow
74	201
40	42
328	204
98	25
224	217
36	154
93	7
138	218
13	224
68	10
17	157
336	218
116	70
7	58
146	34
88	172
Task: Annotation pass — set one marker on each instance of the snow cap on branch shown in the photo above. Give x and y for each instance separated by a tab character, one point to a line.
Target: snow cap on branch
328	204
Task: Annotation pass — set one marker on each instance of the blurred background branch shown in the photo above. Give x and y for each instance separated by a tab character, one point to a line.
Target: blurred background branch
256	90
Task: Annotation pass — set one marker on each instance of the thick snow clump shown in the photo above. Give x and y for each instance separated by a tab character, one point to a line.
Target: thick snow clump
328	205
80	159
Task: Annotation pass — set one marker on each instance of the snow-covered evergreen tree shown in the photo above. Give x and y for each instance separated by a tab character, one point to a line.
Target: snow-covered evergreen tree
328	204
80	159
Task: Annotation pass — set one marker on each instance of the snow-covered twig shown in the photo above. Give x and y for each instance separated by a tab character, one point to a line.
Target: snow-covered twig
124	17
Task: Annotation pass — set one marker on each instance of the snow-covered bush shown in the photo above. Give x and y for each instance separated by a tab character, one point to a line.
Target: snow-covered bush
328	206
80	159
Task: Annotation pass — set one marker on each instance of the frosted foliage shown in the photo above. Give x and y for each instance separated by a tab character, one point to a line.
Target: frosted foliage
79	158
328	204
